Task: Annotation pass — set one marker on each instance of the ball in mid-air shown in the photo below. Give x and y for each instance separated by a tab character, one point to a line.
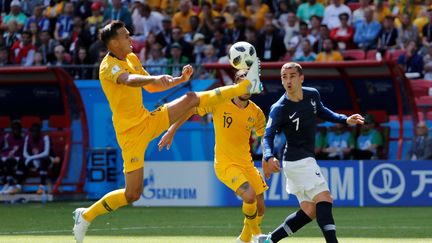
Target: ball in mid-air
242	55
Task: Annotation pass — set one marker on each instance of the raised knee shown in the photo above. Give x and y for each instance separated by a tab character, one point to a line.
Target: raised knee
192	98
132	196
249	196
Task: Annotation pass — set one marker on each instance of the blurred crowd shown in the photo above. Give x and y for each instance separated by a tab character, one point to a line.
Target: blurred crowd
167	33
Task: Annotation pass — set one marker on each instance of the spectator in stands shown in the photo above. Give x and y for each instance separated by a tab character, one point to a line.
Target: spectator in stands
256	12
281	11
231	12
308	9
149	21
38	18
208	14
181	18
225	59
198	47
388	36
34	30
11	35
47	45
427	68
82	58
83	8
36	157
210	55
54	9
219	42
177	37
315	26
291	29
64	25
118	12
251	35
358	14
339	143
329	54
95	21
165	36
381	11
294	45
421	20
195	29
406	32
15	14
102	52
155	64
11	152
369	140
324	34
23	51
308	55
176	61
38	59
421	147
59	54
80	37
427	30
269	44
411	61
332	12
343	35
4	56
367	31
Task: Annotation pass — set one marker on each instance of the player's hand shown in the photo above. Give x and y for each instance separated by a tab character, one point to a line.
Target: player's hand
355	119
186	73
166	140
271	166
165	80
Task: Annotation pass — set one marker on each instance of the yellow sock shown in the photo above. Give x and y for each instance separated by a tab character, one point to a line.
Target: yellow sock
250	212
246	234
110	202
222	94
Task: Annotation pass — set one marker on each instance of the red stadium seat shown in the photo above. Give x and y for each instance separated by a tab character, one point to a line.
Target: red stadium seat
394	55
420	91
354	54
28	121
421	83
57	122
380	116
421	116
371	55
429	115
4	122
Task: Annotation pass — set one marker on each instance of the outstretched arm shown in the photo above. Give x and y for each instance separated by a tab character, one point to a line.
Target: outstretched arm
158	87
167	138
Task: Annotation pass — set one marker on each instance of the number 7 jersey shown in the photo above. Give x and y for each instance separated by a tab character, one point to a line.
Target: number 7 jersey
233	127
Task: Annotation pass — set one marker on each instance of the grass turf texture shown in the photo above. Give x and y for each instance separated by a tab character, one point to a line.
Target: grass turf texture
52	222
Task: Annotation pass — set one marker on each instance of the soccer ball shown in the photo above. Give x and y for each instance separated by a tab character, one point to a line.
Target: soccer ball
242	55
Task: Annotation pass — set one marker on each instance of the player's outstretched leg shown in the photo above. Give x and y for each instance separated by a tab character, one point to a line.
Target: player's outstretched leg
81	225
251	85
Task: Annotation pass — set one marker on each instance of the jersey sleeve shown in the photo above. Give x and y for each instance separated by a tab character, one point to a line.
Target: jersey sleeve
205	110
327	114
260	123
273	124
110	71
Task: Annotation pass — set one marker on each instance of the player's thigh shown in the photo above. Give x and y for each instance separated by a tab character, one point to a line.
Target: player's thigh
232	176
256	180
178	107
323	196
156	123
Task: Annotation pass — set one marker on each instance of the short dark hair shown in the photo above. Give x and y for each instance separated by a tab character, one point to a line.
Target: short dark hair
109	31
295	65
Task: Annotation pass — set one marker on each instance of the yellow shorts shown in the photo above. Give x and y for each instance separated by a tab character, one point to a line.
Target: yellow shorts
134	142
233	176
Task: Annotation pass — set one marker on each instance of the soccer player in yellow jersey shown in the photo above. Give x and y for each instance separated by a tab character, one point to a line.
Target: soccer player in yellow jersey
122	76
234	121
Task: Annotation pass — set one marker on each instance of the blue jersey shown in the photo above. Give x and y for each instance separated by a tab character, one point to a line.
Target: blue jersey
297	120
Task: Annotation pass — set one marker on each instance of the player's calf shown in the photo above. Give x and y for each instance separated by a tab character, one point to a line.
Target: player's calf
325	221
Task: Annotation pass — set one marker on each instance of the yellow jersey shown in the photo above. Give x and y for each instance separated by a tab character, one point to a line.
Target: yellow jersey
126	102
233	127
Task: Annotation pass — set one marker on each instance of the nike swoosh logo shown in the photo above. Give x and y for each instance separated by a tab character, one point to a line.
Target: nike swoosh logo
290	117
227	113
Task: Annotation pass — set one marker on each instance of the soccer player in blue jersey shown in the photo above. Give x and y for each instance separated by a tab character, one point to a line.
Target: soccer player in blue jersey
295	114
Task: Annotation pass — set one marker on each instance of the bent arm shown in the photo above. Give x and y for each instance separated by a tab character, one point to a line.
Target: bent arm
45	152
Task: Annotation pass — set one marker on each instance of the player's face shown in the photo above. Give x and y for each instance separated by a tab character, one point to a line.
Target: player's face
291	79
123	42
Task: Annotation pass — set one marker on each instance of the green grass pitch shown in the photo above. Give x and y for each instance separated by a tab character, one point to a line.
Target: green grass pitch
52	223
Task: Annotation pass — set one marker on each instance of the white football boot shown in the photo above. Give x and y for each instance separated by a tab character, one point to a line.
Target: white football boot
81	225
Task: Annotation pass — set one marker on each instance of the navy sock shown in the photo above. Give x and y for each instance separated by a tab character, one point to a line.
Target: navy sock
325	221
292	223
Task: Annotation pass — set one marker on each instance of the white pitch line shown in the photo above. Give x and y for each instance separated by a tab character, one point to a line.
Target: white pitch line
205	227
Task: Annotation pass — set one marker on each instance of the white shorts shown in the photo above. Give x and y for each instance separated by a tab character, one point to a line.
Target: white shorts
304	179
